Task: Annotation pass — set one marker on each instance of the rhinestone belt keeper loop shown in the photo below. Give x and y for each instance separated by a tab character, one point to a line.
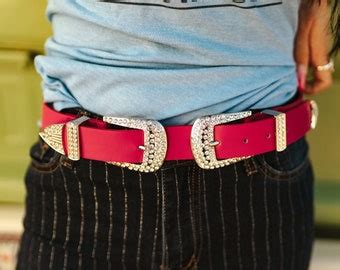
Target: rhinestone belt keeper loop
72	133
315	113
280	129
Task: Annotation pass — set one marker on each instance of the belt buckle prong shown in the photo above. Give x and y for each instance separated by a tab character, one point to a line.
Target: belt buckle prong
155	142
203	142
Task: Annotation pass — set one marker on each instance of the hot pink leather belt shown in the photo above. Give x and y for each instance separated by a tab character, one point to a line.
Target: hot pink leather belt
213	141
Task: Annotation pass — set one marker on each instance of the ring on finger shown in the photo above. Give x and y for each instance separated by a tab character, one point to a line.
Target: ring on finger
327	67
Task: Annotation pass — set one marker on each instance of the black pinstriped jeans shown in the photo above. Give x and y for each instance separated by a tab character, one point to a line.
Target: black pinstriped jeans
255	214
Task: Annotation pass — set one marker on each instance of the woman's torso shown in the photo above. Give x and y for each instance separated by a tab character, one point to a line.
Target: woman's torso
168	60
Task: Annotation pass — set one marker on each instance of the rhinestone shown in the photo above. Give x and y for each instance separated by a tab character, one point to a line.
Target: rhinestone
202	134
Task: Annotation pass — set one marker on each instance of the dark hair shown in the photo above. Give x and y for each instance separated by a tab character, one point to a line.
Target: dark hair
335	26
334	23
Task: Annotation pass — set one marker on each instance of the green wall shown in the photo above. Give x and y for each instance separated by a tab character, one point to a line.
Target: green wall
20	102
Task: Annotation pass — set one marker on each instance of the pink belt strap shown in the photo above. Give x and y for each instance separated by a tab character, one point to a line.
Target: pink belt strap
259	133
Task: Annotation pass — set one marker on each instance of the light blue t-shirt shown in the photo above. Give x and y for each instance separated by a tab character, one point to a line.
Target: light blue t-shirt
169	60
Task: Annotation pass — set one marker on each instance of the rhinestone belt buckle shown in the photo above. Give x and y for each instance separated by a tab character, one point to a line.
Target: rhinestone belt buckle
203	142
155	142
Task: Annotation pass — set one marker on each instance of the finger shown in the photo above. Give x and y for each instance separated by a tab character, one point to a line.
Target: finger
301	46
322	81
320	42
302	71
320	36
301	50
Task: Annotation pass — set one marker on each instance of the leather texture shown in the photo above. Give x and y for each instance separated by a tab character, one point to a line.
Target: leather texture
252	136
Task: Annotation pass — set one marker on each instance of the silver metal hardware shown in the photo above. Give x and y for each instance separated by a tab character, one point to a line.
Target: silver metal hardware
203	142
327	67
53	136
72	133
155	142
315	114
280	129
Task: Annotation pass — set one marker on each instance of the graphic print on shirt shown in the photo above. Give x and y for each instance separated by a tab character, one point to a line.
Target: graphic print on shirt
191	4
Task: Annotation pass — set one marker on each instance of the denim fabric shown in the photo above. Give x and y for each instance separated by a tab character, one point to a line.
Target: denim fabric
254	214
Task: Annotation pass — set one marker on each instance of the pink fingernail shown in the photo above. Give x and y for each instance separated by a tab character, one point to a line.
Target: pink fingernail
301	76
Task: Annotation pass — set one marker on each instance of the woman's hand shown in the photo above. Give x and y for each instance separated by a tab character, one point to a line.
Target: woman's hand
312	45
